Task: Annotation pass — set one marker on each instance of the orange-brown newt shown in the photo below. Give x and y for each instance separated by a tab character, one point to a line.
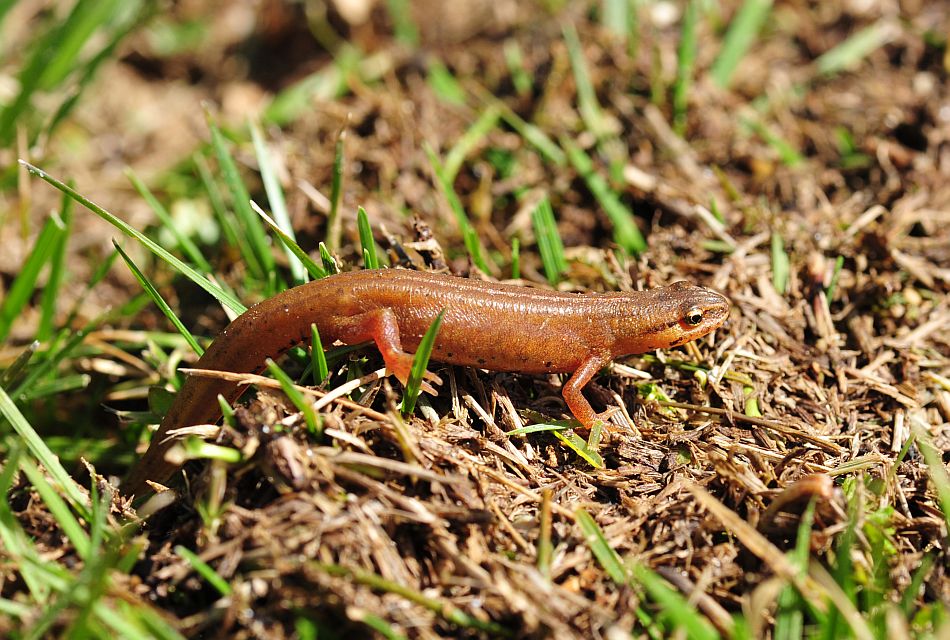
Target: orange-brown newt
494	326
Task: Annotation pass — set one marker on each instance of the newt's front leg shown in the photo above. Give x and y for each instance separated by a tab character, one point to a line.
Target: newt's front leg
573	388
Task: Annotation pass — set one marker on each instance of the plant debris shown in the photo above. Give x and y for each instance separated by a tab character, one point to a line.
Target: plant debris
814	401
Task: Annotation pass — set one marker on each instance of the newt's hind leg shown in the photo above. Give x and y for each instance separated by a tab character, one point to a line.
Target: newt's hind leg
380	326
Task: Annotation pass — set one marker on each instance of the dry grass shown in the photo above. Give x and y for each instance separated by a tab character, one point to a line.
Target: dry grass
443	525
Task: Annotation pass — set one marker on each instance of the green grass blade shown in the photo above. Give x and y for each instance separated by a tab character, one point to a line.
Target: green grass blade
318	357
306	629
536	137
743	30
676	609
786	152
626	233
275	197
329	264
591	113
315	271
843	568
514	59
57	274
5	6
24	285
580	446
917	580
57	578
597	542
97	450
370	259
852	51
262	261
935	465
159	301
53	57
685	64
404	28
38	448
13	540
595	436
658	85
549	241
194	448
86	17
227	411
58	509
226	220
443	84
608	143
54	609
15	609
32	385
419	363
469	141
615	16
780	263
790	616
334	221
137	13
833	284
379	625
155	624
203	569
184	242
217	292
314	423
12	372
329	83
552	425
532	134
751	402
515	258
40	626
472	243
678	612
120	626
446	611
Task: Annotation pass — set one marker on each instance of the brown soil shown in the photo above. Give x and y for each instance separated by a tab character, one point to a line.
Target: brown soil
449	506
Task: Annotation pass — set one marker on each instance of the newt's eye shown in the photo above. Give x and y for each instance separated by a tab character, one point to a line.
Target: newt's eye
694	316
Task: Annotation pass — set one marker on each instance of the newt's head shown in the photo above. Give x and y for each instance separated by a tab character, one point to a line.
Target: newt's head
701	311
678	314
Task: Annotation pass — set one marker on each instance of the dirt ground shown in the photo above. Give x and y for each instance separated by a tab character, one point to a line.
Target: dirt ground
810	390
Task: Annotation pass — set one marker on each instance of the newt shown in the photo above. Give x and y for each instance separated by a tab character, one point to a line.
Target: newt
495	326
